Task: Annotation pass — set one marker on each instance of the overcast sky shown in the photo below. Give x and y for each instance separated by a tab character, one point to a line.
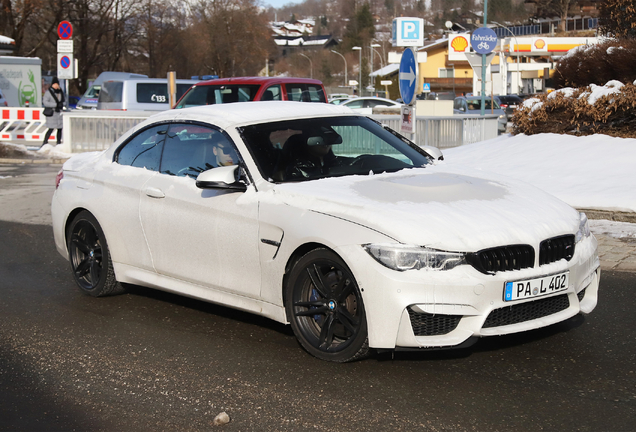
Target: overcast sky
280	3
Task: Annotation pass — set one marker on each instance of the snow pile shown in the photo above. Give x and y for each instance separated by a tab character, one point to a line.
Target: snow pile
595	171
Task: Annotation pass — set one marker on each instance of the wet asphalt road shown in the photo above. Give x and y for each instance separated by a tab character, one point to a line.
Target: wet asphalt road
154	361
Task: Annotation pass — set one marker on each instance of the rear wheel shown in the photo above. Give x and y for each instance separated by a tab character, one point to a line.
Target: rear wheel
90	259
325	308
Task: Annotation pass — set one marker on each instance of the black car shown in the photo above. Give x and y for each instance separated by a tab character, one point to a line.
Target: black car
509	103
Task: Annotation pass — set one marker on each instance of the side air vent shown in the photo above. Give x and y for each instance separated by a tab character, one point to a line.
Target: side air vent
425	324
504	258
555	249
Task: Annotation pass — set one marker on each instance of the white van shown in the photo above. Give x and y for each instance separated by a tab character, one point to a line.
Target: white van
89	99
139	94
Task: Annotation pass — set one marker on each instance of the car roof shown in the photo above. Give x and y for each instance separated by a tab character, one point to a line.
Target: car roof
246	113
259	81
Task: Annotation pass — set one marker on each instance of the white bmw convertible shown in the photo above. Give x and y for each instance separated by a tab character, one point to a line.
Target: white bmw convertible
312	215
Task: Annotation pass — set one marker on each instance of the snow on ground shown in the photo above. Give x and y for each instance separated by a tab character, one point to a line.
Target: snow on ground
594	172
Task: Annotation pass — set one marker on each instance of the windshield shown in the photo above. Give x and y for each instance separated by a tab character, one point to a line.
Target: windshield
475	104
308	149
218	94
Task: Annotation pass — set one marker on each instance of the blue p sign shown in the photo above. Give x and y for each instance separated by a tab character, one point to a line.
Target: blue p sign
408	32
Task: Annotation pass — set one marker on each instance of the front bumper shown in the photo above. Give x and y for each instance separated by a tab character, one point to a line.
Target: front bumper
432	309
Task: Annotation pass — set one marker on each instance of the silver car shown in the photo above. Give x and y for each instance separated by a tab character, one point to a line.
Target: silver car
472	105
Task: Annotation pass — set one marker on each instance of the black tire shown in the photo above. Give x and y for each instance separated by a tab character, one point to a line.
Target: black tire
90	259
325	308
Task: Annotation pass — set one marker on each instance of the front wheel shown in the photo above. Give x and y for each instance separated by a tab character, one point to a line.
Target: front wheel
90	259
325	308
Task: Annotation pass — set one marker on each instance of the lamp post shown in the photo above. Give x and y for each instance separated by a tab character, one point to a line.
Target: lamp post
516	52
346	83
371	52
356	48
379	55
311	66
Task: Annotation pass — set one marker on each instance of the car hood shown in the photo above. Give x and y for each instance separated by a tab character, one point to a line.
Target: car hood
440	207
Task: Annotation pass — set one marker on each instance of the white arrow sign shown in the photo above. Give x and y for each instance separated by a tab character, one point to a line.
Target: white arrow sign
408	76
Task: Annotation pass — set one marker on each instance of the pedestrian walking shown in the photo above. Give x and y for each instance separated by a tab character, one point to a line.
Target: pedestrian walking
53	102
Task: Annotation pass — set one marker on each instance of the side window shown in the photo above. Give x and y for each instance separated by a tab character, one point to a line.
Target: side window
355	103
272	93
144	150
305	93
191	149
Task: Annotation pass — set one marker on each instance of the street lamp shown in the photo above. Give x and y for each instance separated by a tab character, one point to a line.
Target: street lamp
356	48
345	60
379	55
311	66
516	52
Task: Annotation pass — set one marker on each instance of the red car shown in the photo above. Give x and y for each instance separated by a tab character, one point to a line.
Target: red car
245	89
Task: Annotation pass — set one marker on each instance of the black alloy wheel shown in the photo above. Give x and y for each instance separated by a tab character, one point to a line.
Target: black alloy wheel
325	308
90	259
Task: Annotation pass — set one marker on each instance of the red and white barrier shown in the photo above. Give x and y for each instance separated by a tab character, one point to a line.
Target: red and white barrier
23	124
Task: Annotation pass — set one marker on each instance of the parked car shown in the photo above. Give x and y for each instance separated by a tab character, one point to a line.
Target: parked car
316	216
72	101
338	101
472	105
509	103
145	94
437	96
227	90
365	105
91	96
333	96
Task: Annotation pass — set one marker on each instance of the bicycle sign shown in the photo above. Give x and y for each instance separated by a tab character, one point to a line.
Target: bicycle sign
483	40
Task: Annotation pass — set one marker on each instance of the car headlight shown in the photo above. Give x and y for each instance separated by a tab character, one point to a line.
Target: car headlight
502	116
405	257
584	228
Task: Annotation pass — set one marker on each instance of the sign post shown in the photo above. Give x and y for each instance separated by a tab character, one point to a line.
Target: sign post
66	64
408	32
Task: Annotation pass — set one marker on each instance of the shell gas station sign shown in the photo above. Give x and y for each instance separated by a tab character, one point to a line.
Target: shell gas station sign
459	45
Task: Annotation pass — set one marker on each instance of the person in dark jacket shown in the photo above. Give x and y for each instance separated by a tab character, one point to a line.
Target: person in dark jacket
54	98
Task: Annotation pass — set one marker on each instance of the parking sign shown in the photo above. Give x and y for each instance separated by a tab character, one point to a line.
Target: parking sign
408	32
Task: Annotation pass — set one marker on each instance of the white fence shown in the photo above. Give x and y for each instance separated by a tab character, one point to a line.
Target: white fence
96	130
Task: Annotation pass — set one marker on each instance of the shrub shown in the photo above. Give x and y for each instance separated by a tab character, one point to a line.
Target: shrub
597	64
609	110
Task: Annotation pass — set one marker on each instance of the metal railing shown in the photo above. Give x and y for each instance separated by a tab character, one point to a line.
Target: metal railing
97	130
447	132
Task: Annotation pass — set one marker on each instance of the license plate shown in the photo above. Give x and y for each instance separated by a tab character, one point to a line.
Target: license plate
538	287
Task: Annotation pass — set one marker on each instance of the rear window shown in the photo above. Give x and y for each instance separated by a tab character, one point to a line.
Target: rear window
111	91
219	94
305	92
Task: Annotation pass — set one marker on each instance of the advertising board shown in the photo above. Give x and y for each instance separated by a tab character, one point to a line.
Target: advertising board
21	80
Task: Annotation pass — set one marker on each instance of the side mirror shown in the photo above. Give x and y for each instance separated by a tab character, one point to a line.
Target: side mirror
221	178
434	152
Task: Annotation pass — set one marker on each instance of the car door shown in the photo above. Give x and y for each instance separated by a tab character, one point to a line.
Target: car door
119	189
207	237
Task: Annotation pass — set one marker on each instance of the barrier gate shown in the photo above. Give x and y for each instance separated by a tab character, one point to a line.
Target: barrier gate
23	124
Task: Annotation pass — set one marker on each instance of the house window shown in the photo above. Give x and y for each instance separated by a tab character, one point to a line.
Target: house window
445	73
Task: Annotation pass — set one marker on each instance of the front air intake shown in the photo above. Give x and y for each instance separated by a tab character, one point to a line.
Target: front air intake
504	258
555	249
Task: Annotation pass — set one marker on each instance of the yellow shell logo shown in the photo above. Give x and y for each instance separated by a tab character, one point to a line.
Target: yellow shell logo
459	44
539	44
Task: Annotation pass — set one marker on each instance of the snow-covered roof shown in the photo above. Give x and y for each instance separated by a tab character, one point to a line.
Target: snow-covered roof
6	40
386	70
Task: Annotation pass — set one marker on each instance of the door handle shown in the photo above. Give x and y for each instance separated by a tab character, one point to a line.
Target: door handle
154	193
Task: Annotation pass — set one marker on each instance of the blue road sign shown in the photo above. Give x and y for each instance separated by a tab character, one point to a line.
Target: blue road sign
426	87
65	62
483	40
408	76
